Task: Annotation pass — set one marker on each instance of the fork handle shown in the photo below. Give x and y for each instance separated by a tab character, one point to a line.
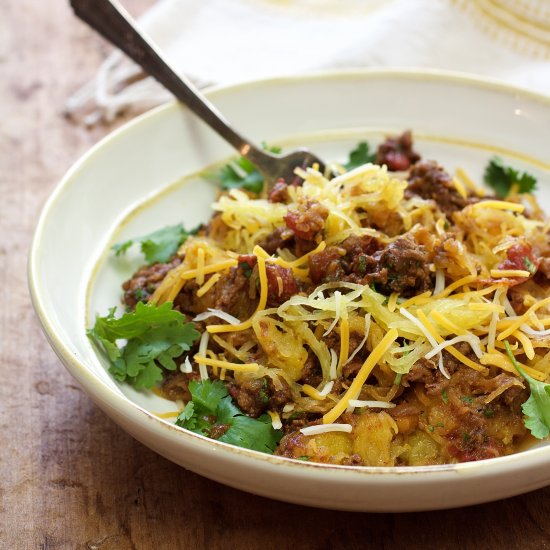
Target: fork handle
114	23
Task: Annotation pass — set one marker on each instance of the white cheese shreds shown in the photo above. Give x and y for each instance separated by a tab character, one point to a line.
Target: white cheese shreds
372	404
328	387
510	311
203	346
275	420
364	340
532	332
186	366
324	428
333	364
439	282
428	336
217	313
337	306
470	338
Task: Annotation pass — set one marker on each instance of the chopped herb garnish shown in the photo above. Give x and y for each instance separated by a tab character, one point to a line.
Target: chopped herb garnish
488	412
263	394
158	246
140	295
303	457
531	267
468	399
211	412
247	270
466	437
444	396
537	407
155	336
242	174
359	156
502	178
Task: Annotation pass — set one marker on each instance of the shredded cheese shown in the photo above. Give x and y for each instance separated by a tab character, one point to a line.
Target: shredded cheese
200	266
356	403
186	366
324	428
210	312
208	285
503	361
167	414
238	367
313	393
333	364
453	351
522	319
363	341
361	376
275	420
201	354
499	205
498	273
526	343
392	301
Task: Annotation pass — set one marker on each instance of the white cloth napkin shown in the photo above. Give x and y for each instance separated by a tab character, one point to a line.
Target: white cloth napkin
225	41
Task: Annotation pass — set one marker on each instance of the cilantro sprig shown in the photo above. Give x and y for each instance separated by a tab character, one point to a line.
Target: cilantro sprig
359	156
211	412
154	335
537	407
242	174
501	178
158	246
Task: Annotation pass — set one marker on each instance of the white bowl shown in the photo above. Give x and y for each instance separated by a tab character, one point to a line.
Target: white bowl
129	177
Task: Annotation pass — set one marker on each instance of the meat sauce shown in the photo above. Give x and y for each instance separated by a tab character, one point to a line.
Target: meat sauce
434	420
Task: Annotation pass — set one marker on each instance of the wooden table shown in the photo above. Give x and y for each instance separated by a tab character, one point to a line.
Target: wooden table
70	477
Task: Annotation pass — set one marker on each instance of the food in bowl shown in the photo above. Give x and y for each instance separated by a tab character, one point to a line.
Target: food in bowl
384	313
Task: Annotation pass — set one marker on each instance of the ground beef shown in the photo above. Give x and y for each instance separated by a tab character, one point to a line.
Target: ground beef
255	396
232	294
145	281
279	192
327	265
423	371
312	373
401	266
176	385
430	181
281	284
307	220
397	152
458	411
407	267
282	237
544	268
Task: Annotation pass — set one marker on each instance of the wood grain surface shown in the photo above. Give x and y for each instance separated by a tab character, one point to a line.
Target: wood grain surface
70	477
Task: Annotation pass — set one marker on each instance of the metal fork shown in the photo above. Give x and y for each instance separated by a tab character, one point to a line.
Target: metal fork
112	21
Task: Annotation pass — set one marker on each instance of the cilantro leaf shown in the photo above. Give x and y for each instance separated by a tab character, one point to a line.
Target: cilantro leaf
501	178
359	156
242	174
158	246
213	413
155	336
537	407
